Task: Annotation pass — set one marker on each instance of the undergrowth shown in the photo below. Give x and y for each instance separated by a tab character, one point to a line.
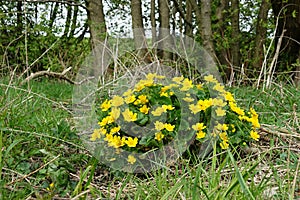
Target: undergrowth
41	156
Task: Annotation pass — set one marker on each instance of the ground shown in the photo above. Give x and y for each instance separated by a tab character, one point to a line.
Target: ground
42	157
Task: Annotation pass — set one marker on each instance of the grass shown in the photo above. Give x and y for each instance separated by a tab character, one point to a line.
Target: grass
39	146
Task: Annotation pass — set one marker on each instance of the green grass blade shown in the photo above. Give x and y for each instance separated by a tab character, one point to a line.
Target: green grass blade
240	179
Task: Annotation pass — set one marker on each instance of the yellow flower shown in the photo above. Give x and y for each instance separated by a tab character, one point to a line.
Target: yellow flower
200	135
210	78
117	142
160	76
186	85
178	79
195	108
223	136
224	145
158	111
130	99
109	138
129	116
115	130
159	125
229	97
254	119
117	101
51	186
236	109
131	159
128	93
248	119
165	88
95	135
131	142
223	127
115	113
143	99
137	102
199	86
148	82
233	128
159	136
198	127
103	131
220	112
106	120
167	107
105	105
144	109
151	76
164	94
188	99
204	104
254	135
218	102
220	88
253	112
255	122
169	127
139	87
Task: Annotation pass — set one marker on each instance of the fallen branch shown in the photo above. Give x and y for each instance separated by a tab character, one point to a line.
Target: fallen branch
49	73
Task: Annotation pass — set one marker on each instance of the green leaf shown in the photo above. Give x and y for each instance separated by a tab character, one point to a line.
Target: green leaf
240	178
294	14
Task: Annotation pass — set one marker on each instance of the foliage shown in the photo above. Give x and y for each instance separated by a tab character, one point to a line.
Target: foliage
35	128
152	115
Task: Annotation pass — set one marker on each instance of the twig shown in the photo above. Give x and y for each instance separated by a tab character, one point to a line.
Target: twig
280	131
49	73
33	172
29	67
47	136
81	194
275	58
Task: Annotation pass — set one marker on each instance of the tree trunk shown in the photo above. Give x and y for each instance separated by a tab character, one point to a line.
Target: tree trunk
235	21
138	28
164	35
261	34
206	32
222	54
289	20
96	21
153	22
53	15
74	21
189	18
19	18
68	21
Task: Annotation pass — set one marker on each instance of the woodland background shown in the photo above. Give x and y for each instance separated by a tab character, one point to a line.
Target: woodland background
253	43
245	38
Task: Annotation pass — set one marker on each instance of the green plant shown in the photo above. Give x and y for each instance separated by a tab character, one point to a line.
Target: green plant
152	115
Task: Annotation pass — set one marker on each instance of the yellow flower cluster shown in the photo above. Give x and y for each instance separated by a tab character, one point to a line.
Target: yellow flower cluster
137	106
220	111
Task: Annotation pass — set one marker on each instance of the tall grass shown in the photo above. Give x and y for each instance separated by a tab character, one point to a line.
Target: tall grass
41	156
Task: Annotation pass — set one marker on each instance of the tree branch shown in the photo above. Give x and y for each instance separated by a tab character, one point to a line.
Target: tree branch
49	73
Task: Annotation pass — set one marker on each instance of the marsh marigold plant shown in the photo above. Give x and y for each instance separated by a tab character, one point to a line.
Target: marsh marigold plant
151	115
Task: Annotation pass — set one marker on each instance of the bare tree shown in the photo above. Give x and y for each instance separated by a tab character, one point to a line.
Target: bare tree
96	21
261	34
235	23
203	16
138	28
153	21
164	35
288	16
